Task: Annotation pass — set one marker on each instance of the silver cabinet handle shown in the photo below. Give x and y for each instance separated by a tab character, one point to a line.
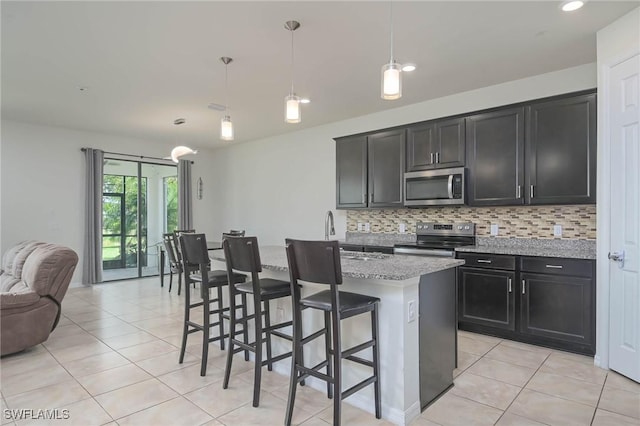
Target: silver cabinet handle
483	261
524	288
554	266
364	198
519	191
431	158
509	282
437	157
450	186
371	198
531	191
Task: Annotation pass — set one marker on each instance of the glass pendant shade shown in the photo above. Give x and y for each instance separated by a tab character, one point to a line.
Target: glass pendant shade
292	113
226	128
391	81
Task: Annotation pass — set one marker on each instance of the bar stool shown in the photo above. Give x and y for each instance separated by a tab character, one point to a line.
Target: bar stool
319	262
175	265
242	254
195	260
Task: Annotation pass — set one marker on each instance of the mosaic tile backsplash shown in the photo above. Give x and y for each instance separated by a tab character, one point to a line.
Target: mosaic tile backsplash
578	222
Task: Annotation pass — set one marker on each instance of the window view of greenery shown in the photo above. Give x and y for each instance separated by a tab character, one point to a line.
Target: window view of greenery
119	221
170	203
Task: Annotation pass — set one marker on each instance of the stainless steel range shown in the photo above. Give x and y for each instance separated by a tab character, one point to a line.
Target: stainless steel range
439	239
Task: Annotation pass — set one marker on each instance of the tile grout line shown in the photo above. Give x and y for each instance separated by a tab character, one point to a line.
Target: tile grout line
599	398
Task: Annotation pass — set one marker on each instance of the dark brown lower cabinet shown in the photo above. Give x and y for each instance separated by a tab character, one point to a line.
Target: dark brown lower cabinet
542	301
486	297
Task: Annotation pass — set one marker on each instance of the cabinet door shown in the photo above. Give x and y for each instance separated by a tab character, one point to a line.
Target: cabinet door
386	168
557	307
561	151
495	157
351	172
450	135
487	297
421	147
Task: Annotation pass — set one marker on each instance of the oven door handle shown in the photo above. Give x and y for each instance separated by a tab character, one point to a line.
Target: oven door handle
423	252
450	186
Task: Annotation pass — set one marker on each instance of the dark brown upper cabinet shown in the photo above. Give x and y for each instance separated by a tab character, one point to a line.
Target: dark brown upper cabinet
369	170
561	151
495	158
435	144
351	172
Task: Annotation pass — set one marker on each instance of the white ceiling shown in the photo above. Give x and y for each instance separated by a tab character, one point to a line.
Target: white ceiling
148	63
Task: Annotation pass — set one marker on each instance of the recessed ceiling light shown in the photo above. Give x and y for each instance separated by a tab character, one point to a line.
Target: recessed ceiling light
408	67
305	100
570	6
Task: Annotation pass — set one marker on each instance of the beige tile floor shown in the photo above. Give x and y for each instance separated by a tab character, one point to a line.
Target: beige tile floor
113	360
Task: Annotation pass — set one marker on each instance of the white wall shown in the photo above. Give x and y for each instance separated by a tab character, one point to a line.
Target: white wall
282	186
42	174
616	42
273	188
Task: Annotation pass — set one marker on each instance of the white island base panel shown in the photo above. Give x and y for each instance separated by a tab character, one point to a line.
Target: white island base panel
399	343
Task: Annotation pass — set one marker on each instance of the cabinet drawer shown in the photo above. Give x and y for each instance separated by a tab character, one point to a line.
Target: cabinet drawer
558	266
492	261
351	247
378	249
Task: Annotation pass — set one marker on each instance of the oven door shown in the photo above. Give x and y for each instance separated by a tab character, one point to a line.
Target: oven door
434	187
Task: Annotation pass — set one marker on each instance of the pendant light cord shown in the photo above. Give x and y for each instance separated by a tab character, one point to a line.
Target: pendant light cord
226	89
391	25
291	61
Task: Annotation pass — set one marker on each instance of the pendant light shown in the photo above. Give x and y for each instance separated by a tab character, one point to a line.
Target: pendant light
226	126
391	72
292	113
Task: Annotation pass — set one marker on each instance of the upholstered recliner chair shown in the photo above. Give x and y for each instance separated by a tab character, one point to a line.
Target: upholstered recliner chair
33	281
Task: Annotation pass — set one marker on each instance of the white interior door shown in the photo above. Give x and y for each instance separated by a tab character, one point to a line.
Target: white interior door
624	273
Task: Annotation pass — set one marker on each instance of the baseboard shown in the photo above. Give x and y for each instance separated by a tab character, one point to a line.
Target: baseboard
390	414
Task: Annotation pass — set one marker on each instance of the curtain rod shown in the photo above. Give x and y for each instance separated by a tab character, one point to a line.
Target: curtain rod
132	155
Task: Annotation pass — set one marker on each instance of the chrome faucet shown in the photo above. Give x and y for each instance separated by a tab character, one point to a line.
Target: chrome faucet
328	220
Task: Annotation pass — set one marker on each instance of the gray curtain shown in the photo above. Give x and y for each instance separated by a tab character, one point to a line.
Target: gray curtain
185	212
92	270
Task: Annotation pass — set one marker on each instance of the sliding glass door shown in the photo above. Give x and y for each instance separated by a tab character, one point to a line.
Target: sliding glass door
138	206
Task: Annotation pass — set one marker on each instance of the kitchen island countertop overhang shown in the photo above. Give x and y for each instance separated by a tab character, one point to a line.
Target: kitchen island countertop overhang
405	286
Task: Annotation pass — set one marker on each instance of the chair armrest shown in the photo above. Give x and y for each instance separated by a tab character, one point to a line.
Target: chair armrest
18	299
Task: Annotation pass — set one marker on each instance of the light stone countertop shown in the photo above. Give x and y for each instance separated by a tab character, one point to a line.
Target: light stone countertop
378	266
574	249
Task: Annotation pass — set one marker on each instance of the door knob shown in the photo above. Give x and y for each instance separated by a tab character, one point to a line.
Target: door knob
617	257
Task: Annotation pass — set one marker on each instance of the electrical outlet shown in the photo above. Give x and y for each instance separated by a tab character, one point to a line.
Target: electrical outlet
411	311
367	227
494	229
360	226
557	230
402	228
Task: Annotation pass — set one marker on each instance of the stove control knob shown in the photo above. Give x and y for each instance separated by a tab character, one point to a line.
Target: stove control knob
460	227
466	227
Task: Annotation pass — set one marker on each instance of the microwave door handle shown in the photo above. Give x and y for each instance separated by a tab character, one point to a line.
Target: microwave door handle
450	186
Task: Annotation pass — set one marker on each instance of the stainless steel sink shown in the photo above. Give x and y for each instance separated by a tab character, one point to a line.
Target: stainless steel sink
355	255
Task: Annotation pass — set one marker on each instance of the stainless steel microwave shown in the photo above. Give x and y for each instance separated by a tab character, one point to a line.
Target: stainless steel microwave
441	187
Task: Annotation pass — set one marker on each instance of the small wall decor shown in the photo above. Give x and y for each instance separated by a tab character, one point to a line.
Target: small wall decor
199	189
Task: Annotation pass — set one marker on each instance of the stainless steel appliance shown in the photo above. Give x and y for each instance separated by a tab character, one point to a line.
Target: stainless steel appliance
439	239
435	187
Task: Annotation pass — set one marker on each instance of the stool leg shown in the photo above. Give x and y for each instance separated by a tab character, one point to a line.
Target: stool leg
327	350
293	377
206	327
257	374
170	280
267	324
185	329
337	375
180	283
245	328
376	359
232	336
221	317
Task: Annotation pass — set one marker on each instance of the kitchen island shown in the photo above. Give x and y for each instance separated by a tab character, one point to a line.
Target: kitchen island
400	281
